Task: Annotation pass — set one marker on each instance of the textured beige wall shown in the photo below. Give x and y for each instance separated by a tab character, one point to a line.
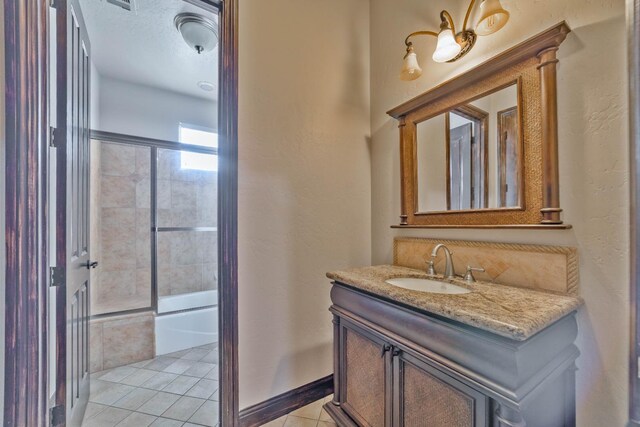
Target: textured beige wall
304	201
593	157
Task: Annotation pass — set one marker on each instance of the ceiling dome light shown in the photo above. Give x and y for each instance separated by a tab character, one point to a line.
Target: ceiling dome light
199	32
447	47
492	17
410	68
206	86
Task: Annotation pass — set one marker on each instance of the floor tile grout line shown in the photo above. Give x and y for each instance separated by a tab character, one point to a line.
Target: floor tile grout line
160	372
133	388
153	370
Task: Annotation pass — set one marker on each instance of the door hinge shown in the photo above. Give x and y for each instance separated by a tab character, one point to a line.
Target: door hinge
57	416
54	137
57	276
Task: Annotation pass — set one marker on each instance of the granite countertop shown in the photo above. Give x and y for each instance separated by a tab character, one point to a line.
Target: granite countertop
512	312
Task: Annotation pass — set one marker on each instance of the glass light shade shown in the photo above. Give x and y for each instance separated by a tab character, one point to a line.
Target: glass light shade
410	68
447	47
199	37
492	17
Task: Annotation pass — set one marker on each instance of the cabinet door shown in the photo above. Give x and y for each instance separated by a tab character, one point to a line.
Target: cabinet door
366	362
427	397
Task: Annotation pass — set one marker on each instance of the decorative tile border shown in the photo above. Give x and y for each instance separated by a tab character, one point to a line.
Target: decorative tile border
542	267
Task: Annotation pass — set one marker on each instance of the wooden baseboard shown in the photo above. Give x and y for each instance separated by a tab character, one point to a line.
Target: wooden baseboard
284	403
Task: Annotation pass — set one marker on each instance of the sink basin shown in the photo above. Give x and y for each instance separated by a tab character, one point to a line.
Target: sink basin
428	285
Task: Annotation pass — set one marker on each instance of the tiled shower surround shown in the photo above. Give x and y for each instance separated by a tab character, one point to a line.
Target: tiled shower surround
122	280
121	221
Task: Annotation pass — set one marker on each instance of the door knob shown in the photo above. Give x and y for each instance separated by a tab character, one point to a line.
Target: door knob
91	264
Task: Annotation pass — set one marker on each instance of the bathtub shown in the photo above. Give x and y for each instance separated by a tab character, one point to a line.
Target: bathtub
177	330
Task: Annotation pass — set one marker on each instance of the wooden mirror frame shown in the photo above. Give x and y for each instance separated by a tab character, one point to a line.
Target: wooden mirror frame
532	64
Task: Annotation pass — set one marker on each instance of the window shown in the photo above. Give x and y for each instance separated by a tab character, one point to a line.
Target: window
195	135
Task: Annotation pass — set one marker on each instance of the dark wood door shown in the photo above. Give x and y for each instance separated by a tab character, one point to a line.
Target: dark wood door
71	139
427	397
366	382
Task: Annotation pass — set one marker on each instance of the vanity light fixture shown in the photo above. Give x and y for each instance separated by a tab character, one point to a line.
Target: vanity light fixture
198	31
452	46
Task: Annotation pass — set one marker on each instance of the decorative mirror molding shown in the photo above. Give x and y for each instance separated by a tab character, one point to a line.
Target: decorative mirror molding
530	65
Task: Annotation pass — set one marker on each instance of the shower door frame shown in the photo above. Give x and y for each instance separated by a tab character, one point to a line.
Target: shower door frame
26	41
154	145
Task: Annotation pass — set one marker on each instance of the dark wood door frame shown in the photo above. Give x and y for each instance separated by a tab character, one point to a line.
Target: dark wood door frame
26	276
228	214
25	399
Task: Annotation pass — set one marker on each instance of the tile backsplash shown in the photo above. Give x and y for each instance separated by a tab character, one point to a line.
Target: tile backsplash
541	267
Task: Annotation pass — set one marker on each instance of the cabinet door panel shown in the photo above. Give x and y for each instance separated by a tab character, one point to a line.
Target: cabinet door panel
431	398
364	384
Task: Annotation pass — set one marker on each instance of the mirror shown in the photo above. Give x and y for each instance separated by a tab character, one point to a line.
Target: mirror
470	157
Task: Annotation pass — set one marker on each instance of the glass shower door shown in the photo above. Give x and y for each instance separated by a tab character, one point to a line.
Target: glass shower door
120	227
186	233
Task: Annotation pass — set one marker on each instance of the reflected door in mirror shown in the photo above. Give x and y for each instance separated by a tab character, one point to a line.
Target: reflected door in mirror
459	178
467	174
509	155
469	157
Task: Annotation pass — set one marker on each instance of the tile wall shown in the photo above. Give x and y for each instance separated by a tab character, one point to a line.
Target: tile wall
121	224
187	260
121	340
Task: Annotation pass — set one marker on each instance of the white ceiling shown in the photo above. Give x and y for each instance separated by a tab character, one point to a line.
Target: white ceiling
143	46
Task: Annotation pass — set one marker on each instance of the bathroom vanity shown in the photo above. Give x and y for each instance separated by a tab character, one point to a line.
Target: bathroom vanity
478	151
495	356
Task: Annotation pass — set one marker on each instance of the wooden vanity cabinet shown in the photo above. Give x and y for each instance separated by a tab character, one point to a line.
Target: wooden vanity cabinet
382	385
396	367
367	359
425	396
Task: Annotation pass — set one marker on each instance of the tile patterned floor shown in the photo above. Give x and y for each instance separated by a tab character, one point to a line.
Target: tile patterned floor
176	390
311	415
179	389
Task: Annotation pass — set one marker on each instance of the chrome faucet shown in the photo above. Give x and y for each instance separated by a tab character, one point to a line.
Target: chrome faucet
449	270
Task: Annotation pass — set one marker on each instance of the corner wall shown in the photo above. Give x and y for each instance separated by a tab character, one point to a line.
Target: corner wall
304	182
593	123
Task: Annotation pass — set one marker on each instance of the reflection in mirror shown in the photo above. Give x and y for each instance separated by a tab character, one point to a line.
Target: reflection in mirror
469	157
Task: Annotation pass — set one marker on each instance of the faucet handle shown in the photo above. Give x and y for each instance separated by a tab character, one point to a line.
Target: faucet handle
431	271
469	275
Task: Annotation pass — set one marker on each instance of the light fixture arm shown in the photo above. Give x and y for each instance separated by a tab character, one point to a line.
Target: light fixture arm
446	17
466	17
419	33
